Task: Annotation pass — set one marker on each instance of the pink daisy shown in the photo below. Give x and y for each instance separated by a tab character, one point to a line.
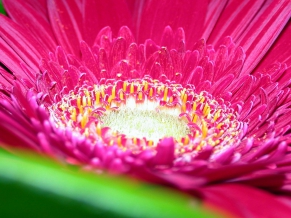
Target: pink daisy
194	95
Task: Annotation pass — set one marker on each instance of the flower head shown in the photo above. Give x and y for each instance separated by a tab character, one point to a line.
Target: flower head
136	91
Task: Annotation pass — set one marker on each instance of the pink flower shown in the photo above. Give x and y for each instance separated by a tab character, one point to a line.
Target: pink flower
194	95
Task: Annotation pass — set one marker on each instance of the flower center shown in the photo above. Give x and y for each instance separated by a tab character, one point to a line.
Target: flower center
149	123
136	114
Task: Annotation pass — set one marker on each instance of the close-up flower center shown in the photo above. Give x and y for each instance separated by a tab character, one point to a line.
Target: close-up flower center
140	122
136	114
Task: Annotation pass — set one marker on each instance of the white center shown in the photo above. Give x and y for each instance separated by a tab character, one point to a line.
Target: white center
151	124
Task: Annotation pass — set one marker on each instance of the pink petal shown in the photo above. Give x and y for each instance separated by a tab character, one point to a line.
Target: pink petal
234	19
66	22
264	31
23	13
16	133
10	59
280	50
99	13
244	201
214	10
39	6
22	42
187	14
6	80
165	152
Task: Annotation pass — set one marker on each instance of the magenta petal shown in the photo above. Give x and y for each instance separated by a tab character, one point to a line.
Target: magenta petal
39	6
187	14
88	58
244	201
23	43
165	152
182	181
16	133
99	14
214	11
280	51
21	12
10	59
66	22
264	30
286	200
6	80
235	18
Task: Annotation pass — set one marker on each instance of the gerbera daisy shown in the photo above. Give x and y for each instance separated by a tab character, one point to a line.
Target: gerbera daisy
194	95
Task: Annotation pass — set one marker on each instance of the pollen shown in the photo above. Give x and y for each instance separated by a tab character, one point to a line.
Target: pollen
145	123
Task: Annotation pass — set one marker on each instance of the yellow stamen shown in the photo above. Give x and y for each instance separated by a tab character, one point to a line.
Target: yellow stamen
121	96
202	99
206	110
140	96
113	92
219	125
98	129
124	86
165	94
86	132
119	141
183	108
74	115
151	92
84	120
89	101
146	86
131	88
102	91
195	117
79	102
216	115
186	140
204	129
97	98
220	133
185	97
194	106
182	93
134	140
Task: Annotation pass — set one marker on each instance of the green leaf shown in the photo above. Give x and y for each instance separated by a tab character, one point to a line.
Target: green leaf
34	187
2	11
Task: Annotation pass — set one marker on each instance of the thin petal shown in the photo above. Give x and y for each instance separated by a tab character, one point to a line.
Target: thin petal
263	31
39	6
22	42
66	22
214	11
23	13
234	19
99	13
187	14
9	58
280	50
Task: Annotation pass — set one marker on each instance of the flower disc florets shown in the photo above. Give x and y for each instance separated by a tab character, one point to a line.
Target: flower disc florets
136	114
